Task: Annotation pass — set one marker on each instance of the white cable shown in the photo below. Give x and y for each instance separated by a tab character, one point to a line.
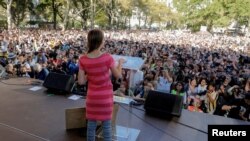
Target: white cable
22	131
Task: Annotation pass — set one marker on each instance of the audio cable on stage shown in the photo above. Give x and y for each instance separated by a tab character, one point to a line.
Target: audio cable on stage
150	124
176	122
24	132
25	84
157	127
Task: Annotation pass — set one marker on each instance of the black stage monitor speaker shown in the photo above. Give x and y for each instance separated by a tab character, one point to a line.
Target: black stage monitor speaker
59	82
163	104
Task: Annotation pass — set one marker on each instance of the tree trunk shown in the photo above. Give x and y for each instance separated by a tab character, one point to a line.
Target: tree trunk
54	14
8	12
125	23
84	21
66	15
92	20
84	16
111	21
73	24
139	21
129	23
145	21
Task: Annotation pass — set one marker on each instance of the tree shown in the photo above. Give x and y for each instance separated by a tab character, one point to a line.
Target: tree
20	9
159	13
123	13
191	12
66	14
82	8
110	8
49	10
213	13
8	13
152	11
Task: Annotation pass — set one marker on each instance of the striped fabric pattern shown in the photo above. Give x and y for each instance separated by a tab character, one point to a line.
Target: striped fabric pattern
99	101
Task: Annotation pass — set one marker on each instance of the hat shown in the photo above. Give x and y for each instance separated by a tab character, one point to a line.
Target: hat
11	55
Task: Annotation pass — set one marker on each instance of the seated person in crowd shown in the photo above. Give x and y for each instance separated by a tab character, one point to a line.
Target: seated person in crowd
144	93
73	66
223	98
123	91
195	107
178	89
202	87
22	66
10	70
164	82
40	57
41	73
191	90
234	92
211	99
238	108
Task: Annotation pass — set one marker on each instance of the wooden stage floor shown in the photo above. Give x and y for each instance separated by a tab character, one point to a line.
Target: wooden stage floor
26	115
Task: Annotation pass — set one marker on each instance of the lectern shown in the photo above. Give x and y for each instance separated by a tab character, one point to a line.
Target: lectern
125	133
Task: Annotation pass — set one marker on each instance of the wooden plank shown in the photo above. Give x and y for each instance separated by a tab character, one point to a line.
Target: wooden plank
75	118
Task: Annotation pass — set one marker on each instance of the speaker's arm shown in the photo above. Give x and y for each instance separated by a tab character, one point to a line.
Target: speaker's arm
82	78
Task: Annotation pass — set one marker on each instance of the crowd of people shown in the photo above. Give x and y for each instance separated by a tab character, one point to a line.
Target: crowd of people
211	73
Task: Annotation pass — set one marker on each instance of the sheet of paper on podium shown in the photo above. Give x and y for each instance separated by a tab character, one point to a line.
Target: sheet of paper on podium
124	100
132	63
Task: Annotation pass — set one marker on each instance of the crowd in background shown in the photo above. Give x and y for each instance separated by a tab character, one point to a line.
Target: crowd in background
211	73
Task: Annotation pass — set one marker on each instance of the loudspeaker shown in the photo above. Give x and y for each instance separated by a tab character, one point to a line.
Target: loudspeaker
163	104
59	82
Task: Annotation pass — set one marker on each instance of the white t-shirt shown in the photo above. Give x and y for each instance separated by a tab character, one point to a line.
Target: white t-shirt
4	46
163	85
136	76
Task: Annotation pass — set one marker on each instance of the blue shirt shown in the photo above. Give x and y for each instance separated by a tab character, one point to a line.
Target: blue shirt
73	68
42	74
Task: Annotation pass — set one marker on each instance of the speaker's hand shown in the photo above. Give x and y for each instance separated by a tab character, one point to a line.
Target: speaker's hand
121	61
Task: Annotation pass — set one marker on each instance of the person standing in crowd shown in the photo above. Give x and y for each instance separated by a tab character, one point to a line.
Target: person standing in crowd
94	67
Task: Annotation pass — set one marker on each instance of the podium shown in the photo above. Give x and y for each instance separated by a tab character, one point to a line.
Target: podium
121	133
125	133
133	64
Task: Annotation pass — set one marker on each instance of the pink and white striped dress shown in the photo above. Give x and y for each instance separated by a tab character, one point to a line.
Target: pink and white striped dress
99	101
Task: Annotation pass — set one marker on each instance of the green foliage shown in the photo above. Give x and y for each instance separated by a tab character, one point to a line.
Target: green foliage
3	24
101	19
116	13
213	13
